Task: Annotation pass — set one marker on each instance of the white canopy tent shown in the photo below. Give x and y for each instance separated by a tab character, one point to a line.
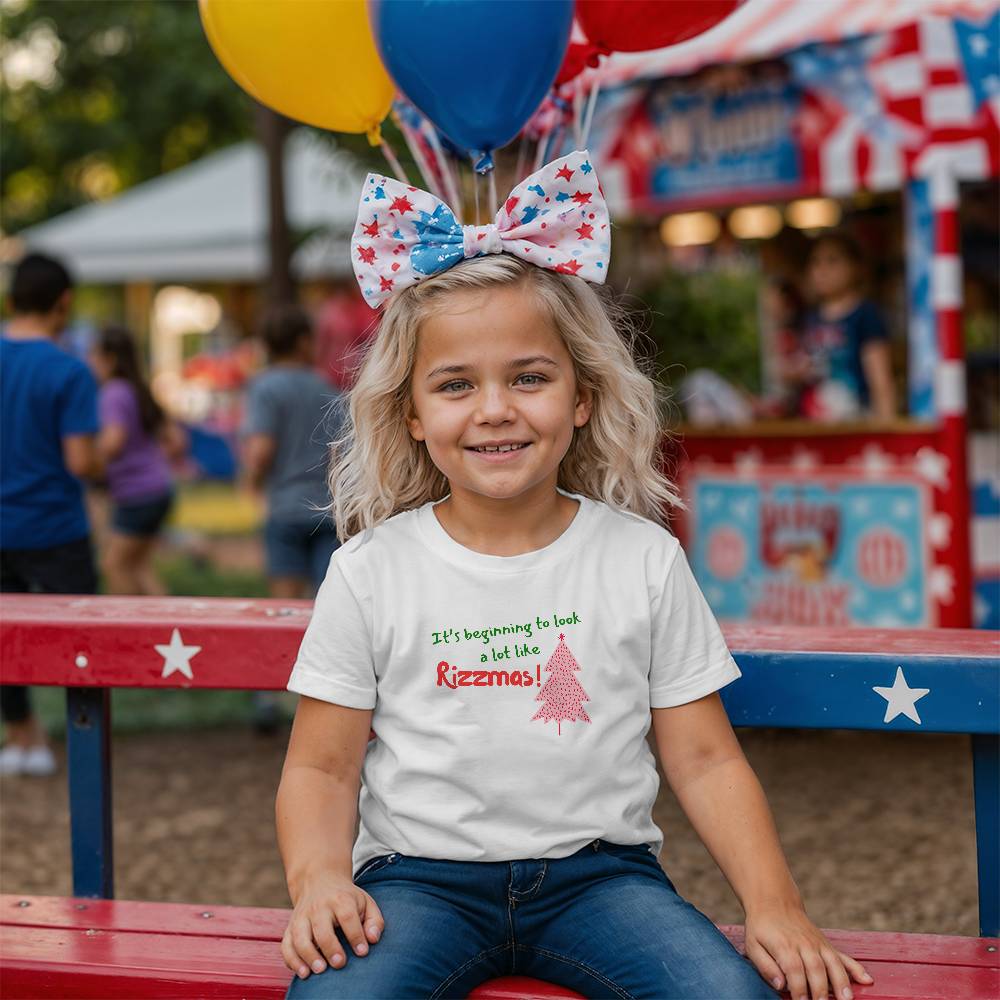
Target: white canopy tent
208	221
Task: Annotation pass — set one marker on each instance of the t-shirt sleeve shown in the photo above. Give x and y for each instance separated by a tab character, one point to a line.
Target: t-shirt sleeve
78	403
689	657
115	405
261	414
871	327
335	660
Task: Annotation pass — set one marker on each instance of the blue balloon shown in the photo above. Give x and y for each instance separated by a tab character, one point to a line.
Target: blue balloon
478	69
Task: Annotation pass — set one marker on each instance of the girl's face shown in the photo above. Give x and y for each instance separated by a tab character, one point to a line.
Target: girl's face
831	271
490	368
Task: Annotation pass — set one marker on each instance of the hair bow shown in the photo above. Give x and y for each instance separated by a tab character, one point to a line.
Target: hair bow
555	218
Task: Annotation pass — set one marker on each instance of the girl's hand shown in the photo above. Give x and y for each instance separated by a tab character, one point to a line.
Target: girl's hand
328	901
791	952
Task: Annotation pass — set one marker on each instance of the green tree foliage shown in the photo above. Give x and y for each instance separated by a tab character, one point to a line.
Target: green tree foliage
706	320
100	96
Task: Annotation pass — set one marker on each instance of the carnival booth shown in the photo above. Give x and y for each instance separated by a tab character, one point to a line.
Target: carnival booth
789	111
774	108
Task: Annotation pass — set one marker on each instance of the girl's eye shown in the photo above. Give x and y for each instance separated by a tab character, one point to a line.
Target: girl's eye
461	382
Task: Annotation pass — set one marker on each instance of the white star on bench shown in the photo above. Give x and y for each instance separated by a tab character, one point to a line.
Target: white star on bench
177	656
901	699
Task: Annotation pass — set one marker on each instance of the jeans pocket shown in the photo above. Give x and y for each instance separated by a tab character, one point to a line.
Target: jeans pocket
373	865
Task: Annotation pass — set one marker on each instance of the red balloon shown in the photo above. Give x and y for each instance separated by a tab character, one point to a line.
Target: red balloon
638	25
578	55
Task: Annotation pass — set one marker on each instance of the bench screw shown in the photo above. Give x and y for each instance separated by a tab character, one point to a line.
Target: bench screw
80	906
24	902
991	947
207	915
81	661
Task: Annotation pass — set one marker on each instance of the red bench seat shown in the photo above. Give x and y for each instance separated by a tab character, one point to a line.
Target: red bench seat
53	946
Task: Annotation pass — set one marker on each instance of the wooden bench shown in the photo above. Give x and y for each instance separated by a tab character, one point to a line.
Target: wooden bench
91	945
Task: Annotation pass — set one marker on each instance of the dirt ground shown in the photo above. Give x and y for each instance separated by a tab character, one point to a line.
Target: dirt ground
878	828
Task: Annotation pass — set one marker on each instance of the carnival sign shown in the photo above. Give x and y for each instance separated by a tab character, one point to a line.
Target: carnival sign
829	548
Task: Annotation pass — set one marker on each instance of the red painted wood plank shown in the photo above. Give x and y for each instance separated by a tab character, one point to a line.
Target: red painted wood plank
268	924
43	961
258	923
520	988
111	641
115	942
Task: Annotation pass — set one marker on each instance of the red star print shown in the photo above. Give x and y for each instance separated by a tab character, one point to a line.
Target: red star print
564	171
367	254
401	205
570	267
386	284
586	231
372	228
581	198
511	204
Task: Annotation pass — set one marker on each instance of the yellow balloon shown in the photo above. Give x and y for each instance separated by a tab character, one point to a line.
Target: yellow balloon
311	60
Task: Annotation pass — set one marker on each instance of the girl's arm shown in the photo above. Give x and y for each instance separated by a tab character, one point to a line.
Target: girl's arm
877	364
316	813
720	794
111	441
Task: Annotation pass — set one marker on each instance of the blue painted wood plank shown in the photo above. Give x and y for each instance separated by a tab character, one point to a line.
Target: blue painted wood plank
88	750
837	691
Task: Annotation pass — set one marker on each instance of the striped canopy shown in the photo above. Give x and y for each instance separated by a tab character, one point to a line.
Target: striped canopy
760	29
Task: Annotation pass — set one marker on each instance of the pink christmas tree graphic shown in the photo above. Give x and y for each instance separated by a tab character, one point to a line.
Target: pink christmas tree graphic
562	694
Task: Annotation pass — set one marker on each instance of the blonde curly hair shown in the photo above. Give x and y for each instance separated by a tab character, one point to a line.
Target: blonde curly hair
377	469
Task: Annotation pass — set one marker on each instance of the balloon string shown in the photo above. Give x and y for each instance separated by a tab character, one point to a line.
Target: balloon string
577	115
447	173
393	162
418	157
491	212
475	188
522	159
543	145
589	118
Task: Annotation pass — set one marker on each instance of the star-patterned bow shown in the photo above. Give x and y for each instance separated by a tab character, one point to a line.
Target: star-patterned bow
555	218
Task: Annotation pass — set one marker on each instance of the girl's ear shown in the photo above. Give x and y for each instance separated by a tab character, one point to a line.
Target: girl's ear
413	424
584	405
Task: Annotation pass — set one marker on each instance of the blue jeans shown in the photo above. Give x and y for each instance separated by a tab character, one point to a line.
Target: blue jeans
605	921
300	548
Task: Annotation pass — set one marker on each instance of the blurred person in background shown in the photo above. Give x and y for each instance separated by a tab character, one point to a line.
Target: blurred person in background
846	371
291	416
137	443
344	325
48	427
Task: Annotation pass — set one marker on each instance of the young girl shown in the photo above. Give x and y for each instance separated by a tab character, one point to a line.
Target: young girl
137	441
848	366
510	615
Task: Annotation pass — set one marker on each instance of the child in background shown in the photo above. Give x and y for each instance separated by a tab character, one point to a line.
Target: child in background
509	613
848	371
137	443
290	418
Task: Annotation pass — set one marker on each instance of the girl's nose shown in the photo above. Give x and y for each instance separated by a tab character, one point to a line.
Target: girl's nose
494	402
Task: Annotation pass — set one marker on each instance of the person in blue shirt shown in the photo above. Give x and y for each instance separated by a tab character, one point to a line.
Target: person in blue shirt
847	364
48	423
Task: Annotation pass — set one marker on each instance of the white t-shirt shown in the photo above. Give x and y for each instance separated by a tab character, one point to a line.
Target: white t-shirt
511	694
